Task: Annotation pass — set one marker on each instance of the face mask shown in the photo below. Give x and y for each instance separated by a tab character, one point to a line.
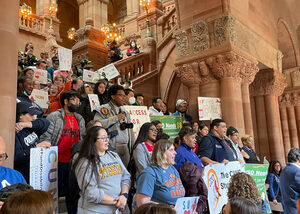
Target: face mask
132	100
25	93
55	67
72	108
133	45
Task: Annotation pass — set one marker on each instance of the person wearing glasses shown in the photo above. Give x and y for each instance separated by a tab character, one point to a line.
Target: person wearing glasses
102	177
7	176
65	130
116	120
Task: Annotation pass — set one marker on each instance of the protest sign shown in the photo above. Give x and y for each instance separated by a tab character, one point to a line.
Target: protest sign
209	108
138	115
94	101
40	97
43	171
217	178
109	71
90	76
40	75
186	205
259	172
171	124
65	59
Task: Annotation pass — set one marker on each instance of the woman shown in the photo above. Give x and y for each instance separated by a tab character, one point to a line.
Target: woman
185	150
273	181
100	90
84	108
133	49
165	109
243	185
160	182
151	208
143	147
102	178
248	143
29	202
29	58
28	72
239	205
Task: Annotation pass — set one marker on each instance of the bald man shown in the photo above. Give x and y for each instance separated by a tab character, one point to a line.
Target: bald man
8	176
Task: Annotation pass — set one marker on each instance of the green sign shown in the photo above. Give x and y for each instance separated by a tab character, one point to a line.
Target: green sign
259	172
171	125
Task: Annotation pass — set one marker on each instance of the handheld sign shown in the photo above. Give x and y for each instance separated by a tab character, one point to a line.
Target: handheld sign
40	75
209	108
94	102
40	97
90	76
186	205
65	59
109	71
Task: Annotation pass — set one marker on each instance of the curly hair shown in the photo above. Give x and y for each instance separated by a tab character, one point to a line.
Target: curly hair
243	185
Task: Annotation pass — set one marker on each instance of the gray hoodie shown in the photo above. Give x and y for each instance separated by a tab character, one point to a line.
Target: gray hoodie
112	175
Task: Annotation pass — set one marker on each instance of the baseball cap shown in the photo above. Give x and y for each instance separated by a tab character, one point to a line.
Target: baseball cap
231	130
25	107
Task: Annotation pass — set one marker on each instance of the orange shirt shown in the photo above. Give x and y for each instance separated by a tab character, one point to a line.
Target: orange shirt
54	101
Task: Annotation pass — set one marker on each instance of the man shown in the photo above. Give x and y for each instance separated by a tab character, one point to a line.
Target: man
114	53
130	96
65	130
116	120
290	182
55	64
139	99
76	83
213	147
41	64
236	145
156	108
181	107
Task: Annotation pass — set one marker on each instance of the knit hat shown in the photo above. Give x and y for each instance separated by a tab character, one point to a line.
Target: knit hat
179	102
231	130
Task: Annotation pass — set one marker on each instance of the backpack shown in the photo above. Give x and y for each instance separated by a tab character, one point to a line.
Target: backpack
9	190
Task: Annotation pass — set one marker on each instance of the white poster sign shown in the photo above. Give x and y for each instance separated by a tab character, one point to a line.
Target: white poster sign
186	205
40	97
43	171
40	75
65	59
109	71
94	102
139	116
217	178
209	108
90	76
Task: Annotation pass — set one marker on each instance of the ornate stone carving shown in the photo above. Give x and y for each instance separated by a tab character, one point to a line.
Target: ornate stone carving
51	45
189	74
268	82
295	75
80	2
181	43
126	40
289	98
248	73
224	30
200	36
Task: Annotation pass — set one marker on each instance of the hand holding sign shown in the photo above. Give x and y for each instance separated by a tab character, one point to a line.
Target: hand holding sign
65	59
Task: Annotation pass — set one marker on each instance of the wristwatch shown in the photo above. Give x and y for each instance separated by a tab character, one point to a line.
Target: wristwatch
125	195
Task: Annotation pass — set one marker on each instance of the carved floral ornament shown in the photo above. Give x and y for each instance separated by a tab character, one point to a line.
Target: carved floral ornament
289	99
200	36
224	30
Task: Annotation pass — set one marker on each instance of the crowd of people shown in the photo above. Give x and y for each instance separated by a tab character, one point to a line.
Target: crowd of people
103	167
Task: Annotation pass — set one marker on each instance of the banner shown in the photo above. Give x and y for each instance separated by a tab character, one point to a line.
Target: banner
259	172
94	102
40	75
109	71
209	108
40	97
217	178
186	205
43	171
138	115
90	76
65	59
171	125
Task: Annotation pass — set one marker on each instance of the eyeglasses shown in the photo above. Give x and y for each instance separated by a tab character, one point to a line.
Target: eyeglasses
122	95
103	139
74	98
154	130
3	157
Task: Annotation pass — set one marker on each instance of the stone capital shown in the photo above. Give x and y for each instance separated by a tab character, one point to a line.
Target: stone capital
80	2
289	99
268	82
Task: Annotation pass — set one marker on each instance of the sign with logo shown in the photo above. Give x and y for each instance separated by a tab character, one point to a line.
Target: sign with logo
65	59
138	115
186	205
43	171
209	108
90	76
171	124
217	178
40	97
109	71
94	102
40	75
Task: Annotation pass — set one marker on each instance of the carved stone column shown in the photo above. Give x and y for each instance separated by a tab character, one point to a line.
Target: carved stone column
9	31
190	77
284	125
267	86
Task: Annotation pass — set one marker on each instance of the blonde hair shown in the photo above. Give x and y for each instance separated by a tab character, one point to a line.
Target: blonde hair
159	152
246	138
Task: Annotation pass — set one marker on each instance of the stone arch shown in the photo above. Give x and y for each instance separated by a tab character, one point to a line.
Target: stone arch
172	90
287	45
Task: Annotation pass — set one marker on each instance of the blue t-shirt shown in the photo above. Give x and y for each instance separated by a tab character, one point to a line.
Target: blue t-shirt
9	177
185	153
162	185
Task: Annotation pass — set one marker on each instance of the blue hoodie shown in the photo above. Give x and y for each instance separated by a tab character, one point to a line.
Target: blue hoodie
185	153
